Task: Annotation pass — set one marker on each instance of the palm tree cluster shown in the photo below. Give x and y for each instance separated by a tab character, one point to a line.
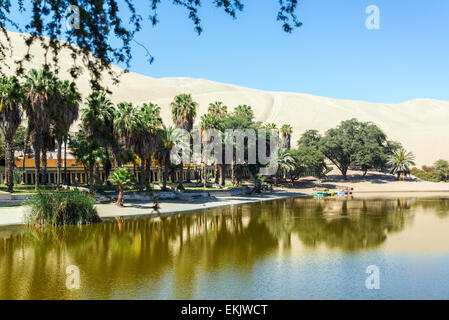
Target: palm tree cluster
111	135
50	106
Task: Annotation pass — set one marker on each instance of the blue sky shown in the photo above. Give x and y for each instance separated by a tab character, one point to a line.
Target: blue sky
333	54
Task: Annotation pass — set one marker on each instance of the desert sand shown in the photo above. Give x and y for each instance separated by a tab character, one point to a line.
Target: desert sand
421	125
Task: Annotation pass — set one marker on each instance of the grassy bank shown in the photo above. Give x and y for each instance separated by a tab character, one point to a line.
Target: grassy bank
61	208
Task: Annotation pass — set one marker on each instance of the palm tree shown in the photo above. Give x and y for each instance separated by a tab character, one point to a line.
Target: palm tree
26	145
40	94
244	110
209	121
98	122
286	162
11	101
139	128
400	162
64	115
219	110
168	139
89	153
286	132
48	144
123	124
270	126
123	179
151	126
183	114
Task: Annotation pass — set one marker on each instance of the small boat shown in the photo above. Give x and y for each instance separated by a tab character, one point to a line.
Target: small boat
341	193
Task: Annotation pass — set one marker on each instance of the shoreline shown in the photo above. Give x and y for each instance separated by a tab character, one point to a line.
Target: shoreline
14	216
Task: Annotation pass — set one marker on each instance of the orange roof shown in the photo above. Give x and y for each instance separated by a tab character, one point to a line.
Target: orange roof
51	163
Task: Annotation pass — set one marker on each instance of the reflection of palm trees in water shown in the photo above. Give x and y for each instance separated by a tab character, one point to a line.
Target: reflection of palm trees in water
439	205
133	250
347	225
141	253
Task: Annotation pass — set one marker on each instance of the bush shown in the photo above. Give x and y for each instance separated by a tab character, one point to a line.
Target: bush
425	175
61	208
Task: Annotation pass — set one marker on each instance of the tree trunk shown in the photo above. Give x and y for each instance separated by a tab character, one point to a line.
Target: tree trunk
181	178
91	180
107	168
44	167
58	166
147	175
365	172
142	175
25	144
96	175
344	173
116	152
205	176
120	196
37	161
233	172
217	174
164	182
223	174
9	163
65	161
173	176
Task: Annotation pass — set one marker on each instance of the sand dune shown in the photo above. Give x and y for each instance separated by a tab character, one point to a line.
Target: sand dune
422	125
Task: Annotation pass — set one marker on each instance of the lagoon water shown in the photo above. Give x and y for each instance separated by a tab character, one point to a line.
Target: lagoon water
285	249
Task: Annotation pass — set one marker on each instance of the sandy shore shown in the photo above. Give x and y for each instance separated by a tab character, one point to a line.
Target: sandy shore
15	215
373	185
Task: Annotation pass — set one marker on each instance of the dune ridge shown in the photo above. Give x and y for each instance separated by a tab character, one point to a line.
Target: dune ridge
422	125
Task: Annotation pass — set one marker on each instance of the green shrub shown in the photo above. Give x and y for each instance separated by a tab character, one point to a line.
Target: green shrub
425	175
61	208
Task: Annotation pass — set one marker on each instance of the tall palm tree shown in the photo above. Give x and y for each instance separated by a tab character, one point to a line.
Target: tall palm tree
219	110
286	132
151	126
209	121
139	128
244	110
64	115
26	143
400	162
183	113
48	144
125	121
98	122
40	94
270	126
168	138
11	100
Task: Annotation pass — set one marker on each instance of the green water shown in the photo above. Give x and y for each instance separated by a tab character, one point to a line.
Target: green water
287	249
